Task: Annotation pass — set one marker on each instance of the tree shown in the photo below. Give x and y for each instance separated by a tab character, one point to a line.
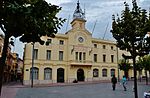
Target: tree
144	63
129	30
28	19
125	66
147	66
139	66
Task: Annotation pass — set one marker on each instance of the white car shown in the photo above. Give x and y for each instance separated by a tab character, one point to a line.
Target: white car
146	94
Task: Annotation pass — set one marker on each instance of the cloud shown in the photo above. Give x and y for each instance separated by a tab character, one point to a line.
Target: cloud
100	10
1	32
58	2
145	4
18	47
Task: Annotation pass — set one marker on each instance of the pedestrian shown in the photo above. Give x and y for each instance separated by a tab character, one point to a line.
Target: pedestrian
113	81
124	82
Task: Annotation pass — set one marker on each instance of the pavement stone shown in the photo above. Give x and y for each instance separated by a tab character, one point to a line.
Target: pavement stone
73	90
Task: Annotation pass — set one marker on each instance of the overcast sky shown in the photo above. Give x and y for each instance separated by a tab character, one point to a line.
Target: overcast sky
96	10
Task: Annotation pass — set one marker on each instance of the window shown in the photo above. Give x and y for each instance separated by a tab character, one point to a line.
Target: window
112	58
112	47
35	73
60	55
80	56
61	42
104	72
47	74
48	42
95	72
104	58
84	56
95	57
95	45
104	47
112	72
48	55
76	55
35	53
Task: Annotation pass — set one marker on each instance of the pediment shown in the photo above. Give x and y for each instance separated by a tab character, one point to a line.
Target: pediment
79	31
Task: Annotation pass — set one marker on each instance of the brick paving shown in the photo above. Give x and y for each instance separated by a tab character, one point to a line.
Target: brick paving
72	90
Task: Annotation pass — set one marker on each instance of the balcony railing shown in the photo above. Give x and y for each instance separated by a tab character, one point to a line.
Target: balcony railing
81	62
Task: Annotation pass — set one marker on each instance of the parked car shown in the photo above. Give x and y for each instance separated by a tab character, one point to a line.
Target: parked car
147	94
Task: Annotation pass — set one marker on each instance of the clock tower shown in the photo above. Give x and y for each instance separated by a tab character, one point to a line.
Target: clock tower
78	18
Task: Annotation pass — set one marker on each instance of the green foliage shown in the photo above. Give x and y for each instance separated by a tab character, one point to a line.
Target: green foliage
124	65
29	19
143	63
139	64
130	29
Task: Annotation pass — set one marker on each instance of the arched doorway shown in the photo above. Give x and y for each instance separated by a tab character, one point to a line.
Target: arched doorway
80	75
60	75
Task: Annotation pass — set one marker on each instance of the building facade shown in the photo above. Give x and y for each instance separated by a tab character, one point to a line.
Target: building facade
1	44
75	55
10	68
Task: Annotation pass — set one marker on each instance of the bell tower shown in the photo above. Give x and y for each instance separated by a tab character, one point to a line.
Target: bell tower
78	18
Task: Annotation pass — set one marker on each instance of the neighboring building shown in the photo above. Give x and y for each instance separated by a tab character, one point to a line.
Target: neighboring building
70	56
10	70
16	68
6	74
1	44
8	67
14	65
20	69
9	61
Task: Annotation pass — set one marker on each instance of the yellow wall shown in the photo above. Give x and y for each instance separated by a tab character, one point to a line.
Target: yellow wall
70	64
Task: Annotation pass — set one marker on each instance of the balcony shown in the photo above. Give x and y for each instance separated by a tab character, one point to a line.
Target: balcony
81	63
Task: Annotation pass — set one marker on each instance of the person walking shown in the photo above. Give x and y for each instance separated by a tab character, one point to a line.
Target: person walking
124	82
113	81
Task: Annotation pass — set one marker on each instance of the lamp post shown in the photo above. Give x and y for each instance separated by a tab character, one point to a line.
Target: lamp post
32	64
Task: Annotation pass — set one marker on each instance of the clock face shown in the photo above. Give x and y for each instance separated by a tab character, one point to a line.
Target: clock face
80	39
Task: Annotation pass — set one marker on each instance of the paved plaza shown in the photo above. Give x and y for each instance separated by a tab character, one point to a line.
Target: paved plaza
88	90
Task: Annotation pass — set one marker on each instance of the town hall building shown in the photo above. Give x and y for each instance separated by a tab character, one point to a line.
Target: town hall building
75	55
